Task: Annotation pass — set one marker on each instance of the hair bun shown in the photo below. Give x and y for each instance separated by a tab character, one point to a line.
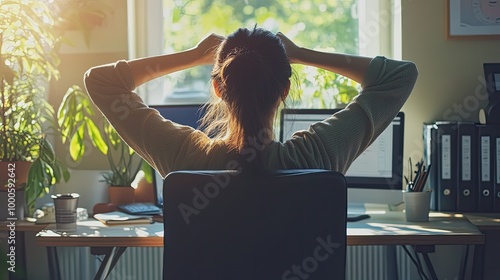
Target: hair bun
247	57
242	67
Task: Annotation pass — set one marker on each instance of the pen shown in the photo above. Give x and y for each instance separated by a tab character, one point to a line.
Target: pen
417	179
418	173
421	183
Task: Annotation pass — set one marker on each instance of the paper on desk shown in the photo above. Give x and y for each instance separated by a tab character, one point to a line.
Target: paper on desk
120	218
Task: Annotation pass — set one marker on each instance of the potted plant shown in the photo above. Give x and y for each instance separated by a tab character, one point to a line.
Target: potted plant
76	119
28	61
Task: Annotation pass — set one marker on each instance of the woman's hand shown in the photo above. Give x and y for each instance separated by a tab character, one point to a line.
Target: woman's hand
207	48
292	50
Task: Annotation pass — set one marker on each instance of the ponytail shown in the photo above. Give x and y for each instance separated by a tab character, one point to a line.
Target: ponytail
252	76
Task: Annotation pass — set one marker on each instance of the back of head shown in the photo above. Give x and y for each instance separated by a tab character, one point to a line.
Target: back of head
251	74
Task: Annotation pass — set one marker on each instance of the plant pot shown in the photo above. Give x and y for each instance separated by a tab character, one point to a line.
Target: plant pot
13	205
145	191
119	195
13	178
14	171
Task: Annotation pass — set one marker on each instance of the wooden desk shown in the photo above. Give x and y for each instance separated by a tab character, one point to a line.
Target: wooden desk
110	241
381	229
391	228
92	233
488	260
22	226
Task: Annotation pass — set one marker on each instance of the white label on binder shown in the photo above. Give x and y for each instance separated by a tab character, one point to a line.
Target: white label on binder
498	160
446	156
485	158
466	158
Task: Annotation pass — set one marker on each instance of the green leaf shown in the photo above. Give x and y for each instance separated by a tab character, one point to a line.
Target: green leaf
87	106
76	147
176	15
96	137
47	151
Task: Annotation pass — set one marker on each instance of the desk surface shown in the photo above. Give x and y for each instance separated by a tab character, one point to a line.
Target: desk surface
96	234
381	229
485	221
21	226
391	228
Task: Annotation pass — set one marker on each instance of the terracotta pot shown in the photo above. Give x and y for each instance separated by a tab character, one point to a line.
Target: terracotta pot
15	171
121	194
13	202
145	191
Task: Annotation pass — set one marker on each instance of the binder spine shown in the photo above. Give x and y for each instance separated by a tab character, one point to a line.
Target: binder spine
447	157
486	169
467	172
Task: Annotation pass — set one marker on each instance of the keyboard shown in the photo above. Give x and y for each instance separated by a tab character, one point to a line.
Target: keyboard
140	208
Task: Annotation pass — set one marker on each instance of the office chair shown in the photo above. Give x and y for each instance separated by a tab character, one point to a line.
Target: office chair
288	224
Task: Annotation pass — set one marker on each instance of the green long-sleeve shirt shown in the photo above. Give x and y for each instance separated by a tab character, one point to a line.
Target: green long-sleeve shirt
331	144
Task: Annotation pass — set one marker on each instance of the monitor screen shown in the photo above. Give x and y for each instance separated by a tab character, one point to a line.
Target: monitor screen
182	114
380	166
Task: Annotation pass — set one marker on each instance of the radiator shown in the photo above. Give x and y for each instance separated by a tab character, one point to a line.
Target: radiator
377	262
363	262
138	264
76	263
135	264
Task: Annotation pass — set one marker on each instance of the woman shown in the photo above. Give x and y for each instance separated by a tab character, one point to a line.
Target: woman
250	78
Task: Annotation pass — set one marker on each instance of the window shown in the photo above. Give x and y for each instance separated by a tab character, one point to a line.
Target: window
366	27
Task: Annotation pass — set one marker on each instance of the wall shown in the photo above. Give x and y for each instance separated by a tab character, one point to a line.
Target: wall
108	43
451	81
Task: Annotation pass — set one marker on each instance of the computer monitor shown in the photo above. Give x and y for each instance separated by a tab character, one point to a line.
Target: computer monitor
182	114
376	175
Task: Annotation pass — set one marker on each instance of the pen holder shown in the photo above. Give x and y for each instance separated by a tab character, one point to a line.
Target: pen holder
417	206
66	211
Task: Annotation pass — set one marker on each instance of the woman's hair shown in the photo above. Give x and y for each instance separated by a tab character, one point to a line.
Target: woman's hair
251	73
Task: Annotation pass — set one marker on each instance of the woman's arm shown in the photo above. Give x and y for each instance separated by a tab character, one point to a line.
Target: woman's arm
351	66
111	86
386	85
149	68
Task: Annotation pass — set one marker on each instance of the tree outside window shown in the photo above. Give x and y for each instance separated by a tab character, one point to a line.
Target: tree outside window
330	25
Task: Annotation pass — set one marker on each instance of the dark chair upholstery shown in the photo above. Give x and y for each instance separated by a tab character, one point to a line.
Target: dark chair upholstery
288	224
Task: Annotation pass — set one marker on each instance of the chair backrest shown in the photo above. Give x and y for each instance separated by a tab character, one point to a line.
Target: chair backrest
288	224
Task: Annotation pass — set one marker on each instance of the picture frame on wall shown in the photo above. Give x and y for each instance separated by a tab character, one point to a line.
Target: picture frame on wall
473	18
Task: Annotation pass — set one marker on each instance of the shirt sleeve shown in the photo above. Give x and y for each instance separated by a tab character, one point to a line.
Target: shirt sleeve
337	141
159	141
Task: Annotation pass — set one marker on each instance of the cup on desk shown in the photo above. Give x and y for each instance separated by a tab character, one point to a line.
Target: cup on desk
65	208
417	206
